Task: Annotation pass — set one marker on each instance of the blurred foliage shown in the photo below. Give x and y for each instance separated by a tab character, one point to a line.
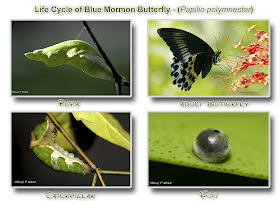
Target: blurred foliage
214	33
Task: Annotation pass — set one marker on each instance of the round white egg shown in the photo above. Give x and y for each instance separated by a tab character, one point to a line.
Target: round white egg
212	145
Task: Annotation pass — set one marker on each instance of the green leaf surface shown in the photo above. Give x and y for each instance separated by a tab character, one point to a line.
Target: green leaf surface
105	126
76	53
171	137
65	121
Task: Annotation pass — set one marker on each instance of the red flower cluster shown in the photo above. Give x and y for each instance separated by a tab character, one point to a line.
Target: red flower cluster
257	78
257	54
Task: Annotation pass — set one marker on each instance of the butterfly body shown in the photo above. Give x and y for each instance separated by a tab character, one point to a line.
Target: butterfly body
192	56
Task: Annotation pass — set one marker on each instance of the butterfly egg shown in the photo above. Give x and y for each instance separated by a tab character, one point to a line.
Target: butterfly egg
212	145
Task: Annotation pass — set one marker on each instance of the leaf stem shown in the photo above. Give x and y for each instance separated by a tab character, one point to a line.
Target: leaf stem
77	148
119	79
100	177
113	172
94	179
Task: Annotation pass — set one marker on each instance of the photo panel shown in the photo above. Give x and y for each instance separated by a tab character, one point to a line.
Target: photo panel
43	157
216	150
59	58
209	58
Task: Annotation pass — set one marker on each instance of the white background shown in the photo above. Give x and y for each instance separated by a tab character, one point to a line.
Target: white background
140	195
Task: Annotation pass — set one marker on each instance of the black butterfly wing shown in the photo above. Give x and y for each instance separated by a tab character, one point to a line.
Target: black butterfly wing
192	56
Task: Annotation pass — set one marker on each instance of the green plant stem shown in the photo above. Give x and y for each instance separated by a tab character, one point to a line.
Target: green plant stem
77	148
94	179
100	177
113	172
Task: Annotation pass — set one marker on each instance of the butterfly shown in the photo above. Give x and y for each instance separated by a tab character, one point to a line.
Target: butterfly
192	56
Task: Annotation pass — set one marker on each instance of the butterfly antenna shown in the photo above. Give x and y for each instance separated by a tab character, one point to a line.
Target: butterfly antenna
219	38
216	43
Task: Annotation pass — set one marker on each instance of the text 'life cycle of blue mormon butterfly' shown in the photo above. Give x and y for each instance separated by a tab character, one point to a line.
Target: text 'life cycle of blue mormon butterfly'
192	56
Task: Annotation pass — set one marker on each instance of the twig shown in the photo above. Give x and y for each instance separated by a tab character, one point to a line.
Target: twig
99	176
126	84
94	179
77	148
119	79
113	172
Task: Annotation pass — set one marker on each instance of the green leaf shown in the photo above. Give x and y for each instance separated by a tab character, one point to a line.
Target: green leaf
65	121
76	53
105	126
171	137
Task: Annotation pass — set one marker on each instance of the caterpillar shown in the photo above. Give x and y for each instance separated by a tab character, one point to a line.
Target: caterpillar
54	156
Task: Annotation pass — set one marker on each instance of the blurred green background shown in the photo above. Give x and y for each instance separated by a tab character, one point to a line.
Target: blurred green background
38	79
171	137
212	32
